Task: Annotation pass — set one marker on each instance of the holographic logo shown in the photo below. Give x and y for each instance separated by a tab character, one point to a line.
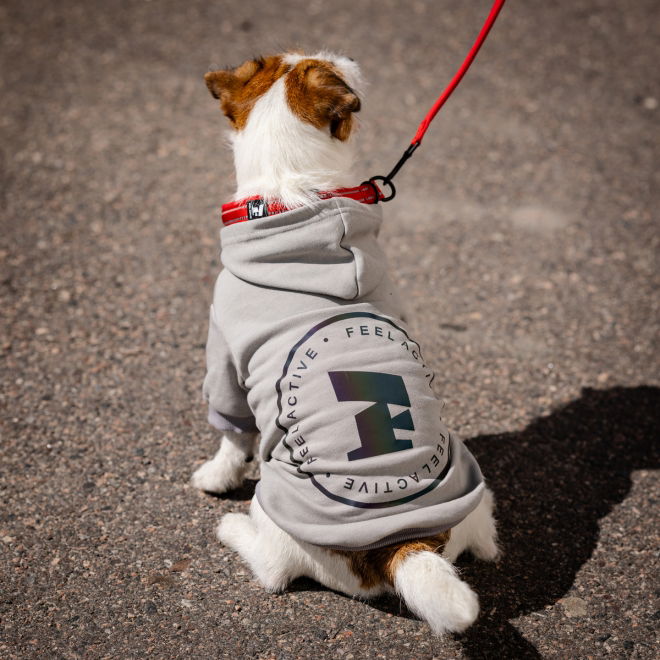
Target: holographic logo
375	425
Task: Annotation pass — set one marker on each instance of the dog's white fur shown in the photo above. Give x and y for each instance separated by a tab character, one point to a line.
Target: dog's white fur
226	470
277	155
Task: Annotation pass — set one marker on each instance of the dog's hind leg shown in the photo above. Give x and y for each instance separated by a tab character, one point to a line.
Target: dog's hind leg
274	557
227	468
477	533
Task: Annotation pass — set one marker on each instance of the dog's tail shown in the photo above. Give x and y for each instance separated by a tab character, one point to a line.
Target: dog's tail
431	588
428	583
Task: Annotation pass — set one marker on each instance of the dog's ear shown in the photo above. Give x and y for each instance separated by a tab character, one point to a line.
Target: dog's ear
319	95
229	86
219	82
223	86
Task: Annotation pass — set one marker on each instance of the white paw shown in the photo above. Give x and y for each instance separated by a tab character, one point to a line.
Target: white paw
216	477
483	543
477	533
238	532
486	548
273	581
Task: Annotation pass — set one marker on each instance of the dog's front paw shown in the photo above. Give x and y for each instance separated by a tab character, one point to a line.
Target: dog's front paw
215	477
226	470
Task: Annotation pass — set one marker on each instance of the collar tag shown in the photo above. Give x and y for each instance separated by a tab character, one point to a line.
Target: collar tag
257	208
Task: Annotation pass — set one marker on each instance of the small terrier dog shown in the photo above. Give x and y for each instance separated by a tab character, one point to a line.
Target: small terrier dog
309	365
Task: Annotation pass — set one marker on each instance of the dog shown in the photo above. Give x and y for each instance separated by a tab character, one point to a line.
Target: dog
310	367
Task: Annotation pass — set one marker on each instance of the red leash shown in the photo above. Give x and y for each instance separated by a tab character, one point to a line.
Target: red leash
426	122
367	192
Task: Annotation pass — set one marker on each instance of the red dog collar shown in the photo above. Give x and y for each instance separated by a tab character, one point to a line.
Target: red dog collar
257	207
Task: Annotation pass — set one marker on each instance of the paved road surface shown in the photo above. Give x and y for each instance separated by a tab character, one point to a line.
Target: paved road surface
525	238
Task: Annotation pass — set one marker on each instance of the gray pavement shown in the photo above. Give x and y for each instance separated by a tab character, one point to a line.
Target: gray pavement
525	238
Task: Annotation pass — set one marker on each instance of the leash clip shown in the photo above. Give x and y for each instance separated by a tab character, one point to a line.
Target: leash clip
386	181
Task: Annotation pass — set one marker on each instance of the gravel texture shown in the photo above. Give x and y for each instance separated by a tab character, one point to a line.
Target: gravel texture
525	238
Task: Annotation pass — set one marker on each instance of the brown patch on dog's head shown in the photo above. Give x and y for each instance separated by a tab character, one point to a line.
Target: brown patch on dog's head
239	88
373	567
318	94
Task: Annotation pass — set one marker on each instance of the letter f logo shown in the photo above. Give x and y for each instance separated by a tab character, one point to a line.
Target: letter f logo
375	424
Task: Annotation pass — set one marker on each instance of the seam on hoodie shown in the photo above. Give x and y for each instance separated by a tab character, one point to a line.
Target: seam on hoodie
343	236
406	535
234	362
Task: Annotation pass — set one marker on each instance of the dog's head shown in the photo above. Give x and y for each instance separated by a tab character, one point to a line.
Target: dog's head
319	90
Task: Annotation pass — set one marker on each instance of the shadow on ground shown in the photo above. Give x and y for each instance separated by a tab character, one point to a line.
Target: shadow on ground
553	482
243	493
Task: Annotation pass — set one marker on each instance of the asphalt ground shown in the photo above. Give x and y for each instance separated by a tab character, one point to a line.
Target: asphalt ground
525	240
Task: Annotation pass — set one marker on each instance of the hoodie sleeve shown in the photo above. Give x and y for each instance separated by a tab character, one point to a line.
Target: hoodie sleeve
227	398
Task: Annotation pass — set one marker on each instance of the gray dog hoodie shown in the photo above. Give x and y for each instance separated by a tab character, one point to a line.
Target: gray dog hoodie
306	344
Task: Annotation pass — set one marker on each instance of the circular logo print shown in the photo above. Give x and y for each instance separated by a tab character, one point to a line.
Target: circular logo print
358	414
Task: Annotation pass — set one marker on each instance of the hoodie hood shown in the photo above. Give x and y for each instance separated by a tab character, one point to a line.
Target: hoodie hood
328	249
